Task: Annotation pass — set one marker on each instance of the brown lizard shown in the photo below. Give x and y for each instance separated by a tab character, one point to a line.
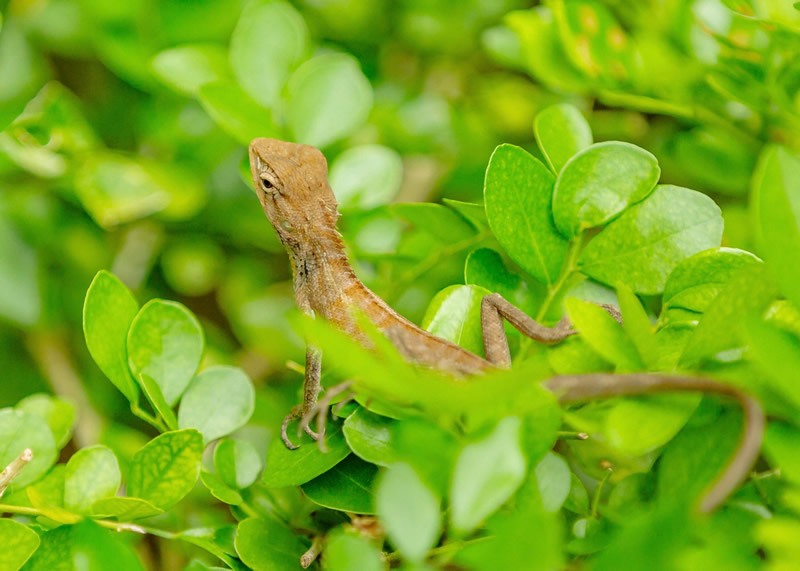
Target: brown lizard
291	181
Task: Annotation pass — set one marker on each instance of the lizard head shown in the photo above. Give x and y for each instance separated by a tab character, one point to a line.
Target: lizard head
291	181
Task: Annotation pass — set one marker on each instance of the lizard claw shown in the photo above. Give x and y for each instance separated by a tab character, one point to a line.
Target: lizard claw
306	414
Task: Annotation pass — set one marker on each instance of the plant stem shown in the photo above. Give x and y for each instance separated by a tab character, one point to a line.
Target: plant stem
598	491
153	421
115	525
567	270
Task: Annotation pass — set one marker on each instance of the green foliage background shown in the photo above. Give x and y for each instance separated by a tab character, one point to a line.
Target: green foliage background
123	133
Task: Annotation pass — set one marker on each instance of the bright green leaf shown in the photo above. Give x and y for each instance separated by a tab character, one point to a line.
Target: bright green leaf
408	510
153	393
92	474
604	334
345	487
329	98
637	325
347	551
637	426
485	268
749	291
108	312
553	479
455	314
59	414
166	468
237	463
165	341
643	246
518	191
124	508
269	40
697	280
366	176
220	489
600	182
236	112
777	353
561	131
218	401
20	430
369	436
486	474
780	446
776	189
268	544
294	467
187	68
19	543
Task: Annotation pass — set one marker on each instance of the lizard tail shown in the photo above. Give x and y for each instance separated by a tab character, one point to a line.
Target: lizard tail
580	388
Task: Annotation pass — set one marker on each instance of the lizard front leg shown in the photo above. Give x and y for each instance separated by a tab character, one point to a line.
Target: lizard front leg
311	389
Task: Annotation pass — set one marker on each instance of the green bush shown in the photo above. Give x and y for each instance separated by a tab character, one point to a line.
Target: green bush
642	151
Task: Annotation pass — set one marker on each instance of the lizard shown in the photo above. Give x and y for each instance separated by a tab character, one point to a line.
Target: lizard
291	182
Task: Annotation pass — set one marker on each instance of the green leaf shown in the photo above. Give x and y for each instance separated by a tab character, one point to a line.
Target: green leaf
697	280
485	268
165	342
269	40
695	457
108	312
777	353
473	212
237	463
345	487
455	314
748	292
366	176
561	131
188	67
294	467
124	508
577	500
92	474
19	543
236	112
20	430
84	545
408	510
553	479
643	246
776	189
600	182
518	191
220	489
19	283
58	414
437	220
156	398
218	401
486	474
328	99
347	551
369	436
267	544
637	325
166	468
218	541
604	334
115	188
780	447
638	426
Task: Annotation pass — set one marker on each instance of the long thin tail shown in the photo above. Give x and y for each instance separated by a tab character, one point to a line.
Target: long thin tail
581	388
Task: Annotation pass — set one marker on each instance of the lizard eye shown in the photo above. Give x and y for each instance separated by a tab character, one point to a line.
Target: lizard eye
267	184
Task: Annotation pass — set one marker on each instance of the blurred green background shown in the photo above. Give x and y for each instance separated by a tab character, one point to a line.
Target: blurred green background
124	128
